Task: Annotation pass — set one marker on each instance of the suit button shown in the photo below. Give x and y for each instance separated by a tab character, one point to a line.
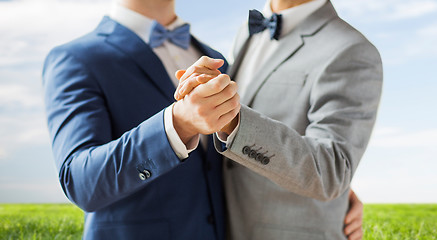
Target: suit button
145	174
252	154
265	160
211	219
246	150
142	176
259	157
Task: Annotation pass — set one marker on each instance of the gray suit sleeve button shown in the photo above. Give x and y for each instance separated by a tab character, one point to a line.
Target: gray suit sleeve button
246	150
145	174
252	154
265	160
259	157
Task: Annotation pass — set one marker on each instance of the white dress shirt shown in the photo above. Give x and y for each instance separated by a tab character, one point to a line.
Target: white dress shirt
261	47
173	59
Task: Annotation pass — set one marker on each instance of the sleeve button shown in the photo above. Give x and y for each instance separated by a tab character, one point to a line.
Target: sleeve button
246	150
252	154
265	160
142	176
145	174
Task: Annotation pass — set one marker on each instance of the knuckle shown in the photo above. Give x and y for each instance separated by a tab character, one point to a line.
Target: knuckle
199	112
195	95
217	85
225	77
233	103
237	104
196	68
202	113
190	100
234	86
191	83
228	93
237	97
237	109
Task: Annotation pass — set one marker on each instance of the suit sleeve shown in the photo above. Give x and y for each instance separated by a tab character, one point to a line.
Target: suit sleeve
320	164
96	170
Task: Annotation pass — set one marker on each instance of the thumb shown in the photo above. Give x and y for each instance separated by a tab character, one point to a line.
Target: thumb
179	74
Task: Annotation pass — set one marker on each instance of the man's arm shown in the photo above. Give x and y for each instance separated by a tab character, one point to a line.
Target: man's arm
320	164
94	169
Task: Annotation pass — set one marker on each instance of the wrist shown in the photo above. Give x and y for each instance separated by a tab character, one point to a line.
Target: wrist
229	128
181	125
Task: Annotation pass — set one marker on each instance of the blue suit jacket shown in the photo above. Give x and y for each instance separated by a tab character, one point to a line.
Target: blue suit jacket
105	94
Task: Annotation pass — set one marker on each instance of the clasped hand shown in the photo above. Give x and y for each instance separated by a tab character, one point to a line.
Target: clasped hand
208	101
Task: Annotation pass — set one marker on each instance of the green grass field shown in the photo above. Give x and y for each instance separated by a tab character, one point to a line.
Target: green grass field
64	221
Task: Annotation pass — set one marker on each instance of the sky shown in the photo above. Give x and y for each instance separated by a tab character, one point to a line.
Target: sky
399	165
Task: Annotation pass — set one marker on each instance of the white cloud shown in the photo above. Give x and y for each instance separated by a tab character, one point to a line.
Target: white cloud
34	27
2	153
428	31
412	9
13	94
423	42
388	10
32	136
42	192
402	189
396	138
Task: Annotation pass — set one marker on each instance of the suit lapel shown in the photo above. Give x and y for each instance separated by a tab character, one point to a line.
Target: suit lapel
129	43
242	43
288	46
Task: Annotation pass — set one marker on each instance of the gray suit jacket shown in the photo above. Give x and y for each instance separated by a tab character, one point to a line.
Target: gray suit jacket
310	112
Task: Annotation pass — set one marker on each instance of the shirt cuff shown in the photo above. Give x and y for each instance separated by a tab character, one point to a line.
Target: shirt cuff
176	143
227	139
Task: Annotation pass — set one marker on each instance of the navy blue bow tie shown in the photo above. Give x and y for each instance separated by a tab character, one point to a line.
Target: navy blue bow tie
180	36
257	23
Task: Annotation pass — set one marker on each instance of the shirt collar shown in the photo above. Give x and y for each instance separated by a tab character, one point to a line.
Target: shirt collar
136	22
291	17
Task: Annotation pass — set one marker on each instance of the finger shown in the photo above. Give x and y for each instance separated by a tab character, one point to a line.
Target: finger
352	227
188	85
228	105
211	63
179	73
357	235
199	70
177	94
204	78
355	209
214	86
227	93
355	212
205	65
229	116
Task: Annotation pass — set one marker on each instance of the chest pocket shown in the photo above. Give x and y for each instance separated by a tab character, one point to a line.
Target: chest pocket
277	95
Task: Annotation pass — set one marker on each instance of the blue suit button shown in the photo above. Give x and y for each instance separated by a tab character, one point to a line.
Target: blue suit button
142	176
145	174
